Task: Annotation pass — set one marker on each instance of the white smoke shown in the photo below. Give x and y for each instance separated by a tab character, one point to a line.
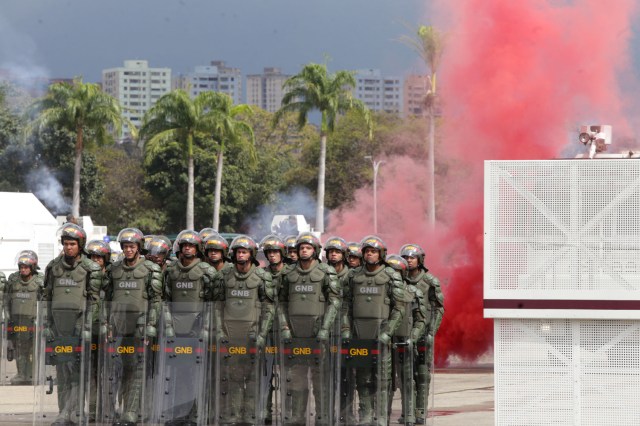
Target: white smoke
298	201
46	187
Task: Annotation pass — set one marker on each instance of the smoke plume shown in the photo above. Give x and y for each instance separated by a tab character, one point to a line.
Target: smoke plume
48	189
517	79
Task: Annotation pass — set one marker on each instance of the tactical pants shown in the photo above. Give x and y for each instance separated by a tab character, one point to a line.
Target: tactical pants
70	391
422	369
131	386
24	361
238	392
347	395
373	386
297	377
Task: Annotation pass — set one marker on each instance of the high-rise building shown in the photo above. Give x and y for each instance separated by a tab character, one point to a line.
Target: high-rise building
265	90
215	77
415	90
137	87
378	92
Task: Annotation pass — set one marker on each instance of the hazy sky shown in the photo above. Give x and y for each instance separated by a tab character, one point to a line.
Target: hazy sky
65	38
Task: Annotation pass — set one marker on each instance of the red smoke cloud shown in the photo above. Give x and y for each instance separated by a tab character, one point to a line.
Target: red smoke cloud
517	78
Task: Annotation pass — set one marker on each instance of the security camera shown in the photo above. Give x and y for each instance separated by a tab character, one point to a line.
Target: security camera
596	137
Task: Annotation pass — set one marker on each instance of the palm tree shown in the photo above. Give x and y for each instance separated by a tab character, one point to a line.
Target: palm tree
228	129
428	42
315	89
80	108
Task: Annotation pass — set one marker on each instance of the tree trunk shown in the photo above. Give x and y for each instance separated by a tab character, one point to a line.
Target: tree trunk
77	170
218	190
190	192
431	187
321	173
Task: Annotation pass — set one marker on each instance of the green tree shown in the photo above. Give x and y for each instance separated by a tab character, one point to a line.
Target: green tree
315	89
428	42
178	122
229	128
82	109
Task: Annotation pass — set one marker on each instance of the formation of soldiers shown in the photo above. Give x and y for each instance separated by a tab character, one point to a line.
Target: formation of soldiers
195	332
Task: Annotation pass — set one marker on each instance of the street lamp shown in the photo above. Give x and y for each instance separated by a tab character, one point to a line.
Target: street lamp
376	165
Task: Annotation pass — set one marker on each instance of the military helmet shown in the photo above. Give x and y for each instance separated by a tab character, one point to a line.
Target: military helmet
205	232
146	241
273	242
190	237
28	258
73	232
290	241
244	241
413	250
353	249
336	243
217	242
99	248
131	235
159	244
398	263
376	243
309	238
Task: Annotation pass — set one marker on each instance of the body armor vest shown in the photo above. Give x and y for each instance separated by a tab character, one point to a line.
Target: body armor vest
23	297
68	295
404	329
129	295
187	296
242	306
307	302
371	303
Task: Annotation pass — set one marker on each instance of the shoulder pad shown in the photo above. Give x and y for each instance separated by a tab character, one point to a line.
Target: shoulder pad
153	267
324	267
14	276
90	265
40	279
390	271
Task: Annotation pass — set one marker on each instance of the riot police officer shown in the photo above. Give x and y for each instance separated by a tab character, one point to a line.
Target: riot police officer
24	290
72	291
3	326
420	277
216	251
188	293
133	295
409	332
158	251
245	309
354	255
309	303
375	295
292	252
100	252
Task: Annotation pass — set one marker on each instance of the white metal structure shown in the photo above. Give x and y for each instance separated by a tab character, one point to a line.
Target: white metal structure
562	281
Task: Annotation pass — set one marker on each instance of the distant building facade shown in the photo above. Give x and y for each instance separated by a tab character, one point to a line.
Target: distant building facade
414	92
137	87
265	90
379	93
216	77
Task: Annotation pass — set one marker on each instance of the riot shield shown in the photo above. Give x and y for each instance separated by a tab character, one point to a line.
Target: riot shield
63	346
308	364
241	373
124	358
5	356
182	368
402	383
369	363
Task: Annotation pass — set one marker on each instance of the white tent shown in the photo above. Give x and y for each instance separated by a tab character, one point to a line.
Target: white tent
25	224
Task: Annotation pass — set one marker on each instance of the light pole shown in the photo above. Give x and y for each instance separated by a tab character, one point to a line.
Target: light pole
376	165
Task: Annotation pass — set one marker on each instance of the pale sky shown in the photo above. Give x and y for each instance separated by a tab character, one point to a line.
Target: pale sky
66	38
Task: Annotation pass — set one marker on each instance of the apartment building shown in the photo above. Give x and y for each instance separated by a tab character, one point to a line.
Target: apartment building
137	87
215	77
414	91
378	92
265	90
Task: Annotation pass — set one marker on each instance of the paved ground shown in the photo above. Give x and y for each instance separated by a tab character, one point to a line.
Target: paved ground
461	396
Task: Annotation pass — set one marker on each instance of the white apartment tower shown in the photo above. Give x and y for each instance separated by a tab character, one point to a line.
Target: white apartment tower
137	87
265	90
379	93
216	77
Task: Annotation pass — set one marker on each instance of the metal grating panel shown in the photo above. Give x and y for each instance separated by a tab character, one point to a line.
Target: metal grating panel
558	228
567	372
